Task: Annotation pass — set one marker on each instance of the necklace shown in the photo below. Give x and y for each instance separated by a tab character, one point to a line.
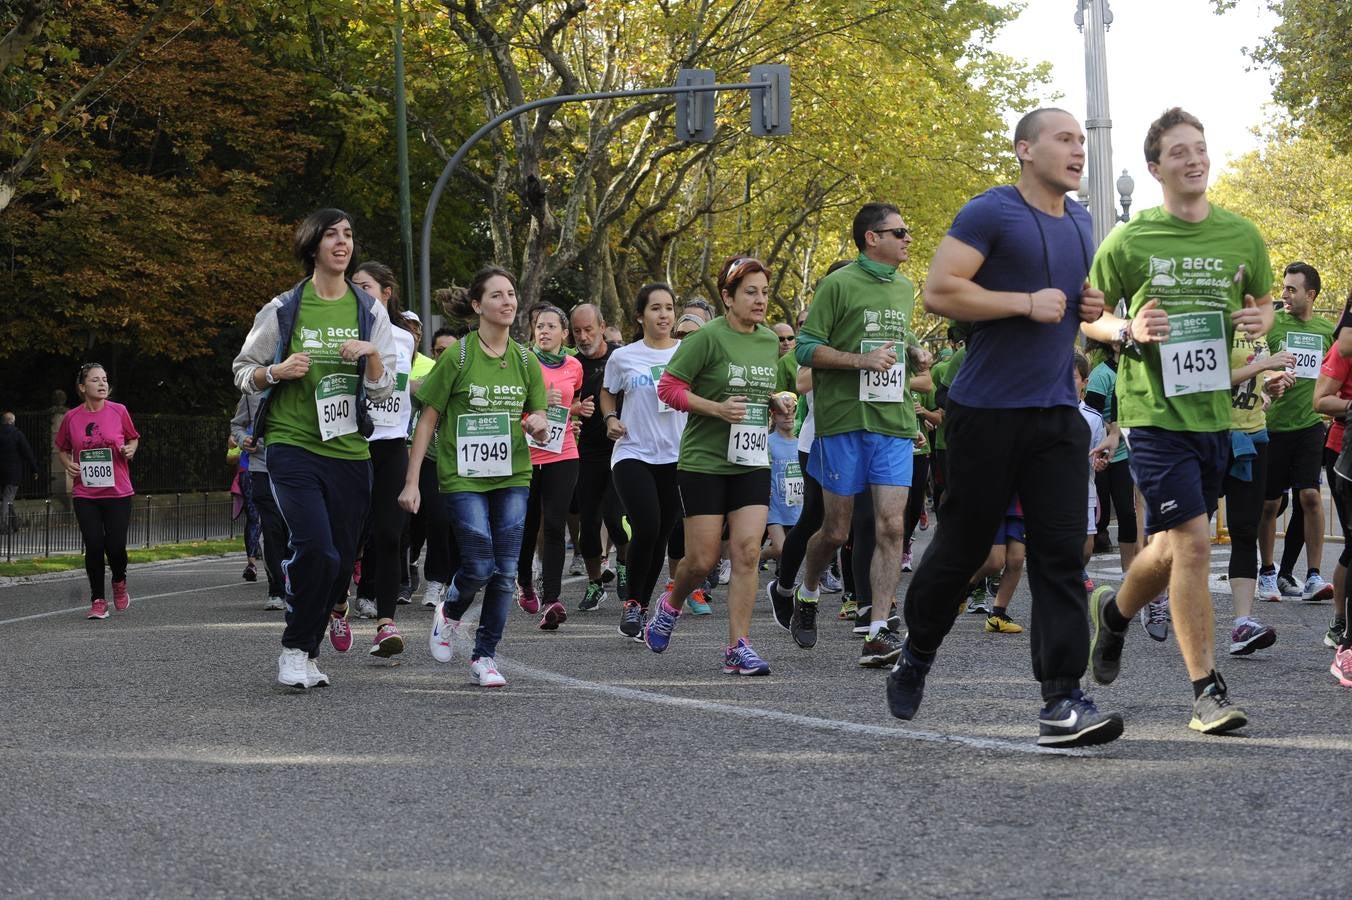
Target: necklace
1042	235
498	356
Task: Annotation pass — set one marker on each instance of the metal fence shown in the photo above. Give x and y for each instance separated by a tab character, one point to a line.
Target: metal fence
49	527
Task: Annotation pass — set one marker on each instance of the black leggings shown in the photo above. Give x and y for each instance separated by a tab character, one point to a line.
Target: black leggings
651	488
856	555
385	519
1116	492
1339	504
597	503
915	500
103	524
809	523
550	487
1243	509
432	525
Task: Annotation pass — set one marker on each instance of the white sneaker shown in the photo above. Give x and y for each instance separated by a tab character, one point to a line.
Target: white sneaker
1267	588
275	603
292	670
366	609
1316	588
433	593
314	677
724	571
485	672
443	631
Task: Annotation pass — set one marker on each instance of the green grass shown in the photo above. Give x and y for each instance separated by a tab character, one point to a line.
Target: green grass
40	565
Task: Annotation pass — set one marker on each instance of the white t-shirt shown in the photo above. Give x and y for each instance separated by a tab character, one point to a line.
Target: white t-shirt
399	408
809	429
652	435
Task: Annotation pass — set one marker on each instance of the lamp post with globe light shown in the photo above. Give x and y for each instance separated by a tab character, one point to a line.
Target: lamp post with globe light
1093	17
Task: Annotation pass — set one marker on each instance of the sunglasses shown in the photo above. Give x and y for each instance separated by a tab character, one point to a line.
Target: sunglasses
786	338
898	233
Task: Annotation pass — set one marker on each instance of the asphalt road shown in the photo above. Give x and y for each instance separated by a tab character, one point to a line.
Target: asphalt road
151	755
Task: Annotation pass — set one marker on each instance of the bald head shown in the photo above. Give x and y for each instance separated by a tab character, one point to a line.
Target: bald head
7	418
589	328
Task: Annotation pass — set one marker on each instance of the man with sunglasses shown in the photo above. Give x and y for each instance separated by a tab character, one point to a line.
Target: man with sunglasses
854	339
1015	263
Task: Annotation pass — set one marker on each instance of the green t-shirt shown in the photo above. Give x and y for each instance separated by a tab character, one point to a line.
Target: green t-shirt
482	446
926	400
719	362
786	379
329	388
854	312
1309	341
1199	272
943	374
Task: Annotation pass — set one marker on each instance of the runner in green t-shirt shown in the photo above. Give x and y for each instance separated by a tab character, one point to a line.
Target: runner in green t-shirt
1297	432
1192	274
855	339
491	393
306	350
723	376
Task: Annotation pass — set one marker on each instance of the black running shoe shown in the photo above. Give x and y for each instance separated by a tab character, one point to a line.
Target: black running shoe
631	619
781	605
1075	721
881	650
1105	645
906	686
803	622
1213	713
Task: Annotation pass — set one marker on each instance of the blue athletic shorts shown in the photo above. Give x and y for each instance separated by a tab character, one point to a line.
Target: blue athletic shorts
1179	473
1011	529
845	464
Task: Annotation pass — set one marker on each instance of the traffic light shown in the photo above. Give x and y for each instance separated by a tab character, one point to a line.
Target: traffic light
695	109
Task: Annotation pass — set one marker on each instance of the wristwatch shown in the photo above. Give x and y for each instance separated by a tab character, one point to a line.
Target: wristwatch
267	374
1124	337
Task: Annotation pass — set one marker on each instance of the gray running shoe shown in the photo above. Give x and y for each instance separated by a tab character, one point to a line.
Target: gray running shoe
1155	618
1105	645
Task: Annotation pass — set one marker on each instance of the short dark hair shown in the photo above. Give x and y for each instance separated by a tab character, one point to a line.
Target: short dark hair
1082	365
1172	118
445	331
869	217
1311	274
311	231
1030	126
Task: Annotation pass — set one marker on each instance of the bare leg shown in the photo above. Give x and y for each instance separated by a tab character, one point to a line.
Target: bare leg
822	546
1013	572
1190	596
702	534
1313	506
745	527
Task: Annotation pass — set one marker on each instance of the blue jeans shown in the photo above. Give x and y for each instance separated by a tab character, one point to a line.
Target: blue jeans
488	529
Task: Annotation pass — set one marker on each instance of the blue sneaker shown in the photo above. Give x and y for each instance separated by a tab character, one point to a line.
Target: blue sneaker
657	631
698	603
1075	721
906	684
740	659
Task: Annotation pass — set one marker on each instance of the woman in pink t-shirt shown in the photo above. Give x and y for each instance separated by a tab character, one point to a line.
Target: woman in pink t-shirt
97	441
554	468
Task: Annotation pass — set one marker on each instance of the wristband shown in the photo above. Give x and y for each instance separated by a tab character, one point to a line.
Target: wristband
610	415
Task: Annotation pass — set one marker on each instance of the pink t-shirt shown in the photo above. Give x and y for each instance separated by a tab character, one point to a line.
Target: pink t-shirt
567	380
109	428
1337	368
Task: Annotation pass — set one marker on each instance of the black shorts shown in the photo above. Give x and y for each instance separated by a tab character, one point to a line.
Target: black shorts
703	494
1295	459
1179	473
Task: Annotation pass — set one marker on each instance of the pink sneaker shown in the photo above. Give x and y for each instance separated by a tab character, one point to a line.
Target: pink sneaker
555	615
98	609
121	599
340	633
1341	668
526	599
389	642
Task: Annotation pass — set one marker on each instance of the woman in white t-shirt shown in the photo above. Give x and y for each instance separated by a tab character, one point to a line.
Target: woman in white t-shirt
647	435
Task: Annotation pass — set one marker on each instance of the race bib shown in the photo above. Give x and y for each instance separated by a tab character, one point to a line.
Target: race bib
749	439
96	467
336	406
483	445
389	413
1308	349
793	485
882	387
558	427
1195	358
657	372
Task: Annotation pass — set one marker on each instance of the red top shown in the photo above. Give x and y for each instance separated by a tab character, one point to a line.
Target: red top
1337	368
567	380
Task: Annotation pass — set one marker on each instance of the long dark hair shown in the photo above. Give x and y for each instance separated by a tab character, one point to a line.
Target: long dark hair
645	294
458	302
384	276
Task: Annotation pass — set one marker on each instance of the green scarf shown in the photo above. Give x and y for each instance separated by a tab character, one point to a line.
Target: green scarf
553	360
877	269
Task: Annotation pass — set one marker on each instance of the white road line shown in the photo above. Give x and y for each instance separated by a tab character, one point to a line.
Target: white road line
787	718
85	608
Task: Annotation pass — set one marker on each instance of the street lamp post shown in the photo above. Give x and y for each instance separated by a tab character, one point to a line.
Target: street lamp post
1093	17
1125	185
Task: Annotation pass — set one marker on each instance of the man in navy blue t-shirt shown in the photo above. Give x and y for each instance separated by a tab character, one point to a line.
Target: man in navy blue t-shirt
1015	264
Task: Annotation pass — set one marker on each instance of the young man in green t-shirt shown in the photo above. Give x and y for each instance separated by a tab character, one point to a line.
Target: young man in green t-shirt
1190	273
1296	437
